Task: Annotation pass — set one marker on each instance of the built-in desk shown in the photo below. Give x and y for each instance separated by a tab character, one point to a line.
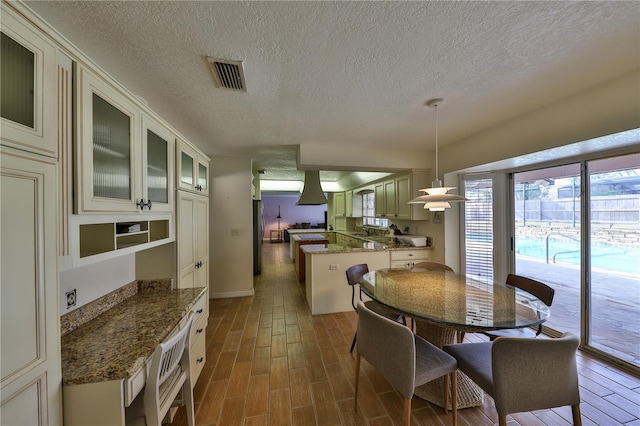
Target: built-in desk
105	360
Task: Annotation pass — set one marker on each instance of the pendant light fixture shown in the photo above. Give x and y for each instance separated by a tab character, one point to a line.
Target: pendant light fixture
312	193
437	198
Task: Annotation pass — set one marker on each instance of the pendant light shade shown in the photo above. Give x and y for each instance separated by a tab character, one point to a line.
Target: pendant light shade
312	194
437	198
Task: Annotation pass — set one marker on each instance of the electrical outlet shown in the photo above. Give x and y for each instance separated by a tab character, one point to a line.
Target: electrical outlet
71	298
333	267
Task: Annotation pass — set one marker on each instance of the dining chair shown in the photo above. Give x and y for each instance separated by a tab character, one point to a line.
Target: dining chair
403	359
536	288
170	373
354	275
523	374
432	266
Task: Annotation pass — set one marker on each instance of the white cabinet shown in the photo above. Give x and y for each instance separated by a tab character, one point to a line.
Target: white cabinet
406	259
124	160
407	188
338	204
192	217
385	199
392	196
30	342
28	102
158	148
353	204
198	353
192	169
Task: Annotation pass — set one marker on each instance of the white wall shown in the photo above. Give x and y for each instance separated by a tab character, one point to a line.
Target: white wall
96	280
541	136
603	110
230	228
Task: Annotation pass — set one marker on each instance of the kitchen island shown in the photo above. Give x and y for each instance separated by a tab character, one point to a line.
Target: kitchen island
326	287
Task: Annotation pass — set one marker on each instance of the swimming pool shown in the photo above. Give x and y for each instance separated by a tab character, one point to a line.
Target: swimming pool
603	256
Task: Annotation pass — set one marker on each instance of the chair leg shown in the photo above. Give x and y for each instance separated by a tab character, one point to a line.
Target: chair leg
353	344
446	393
188	391
355	407
460	336
502	420
575	410
407	412
454	397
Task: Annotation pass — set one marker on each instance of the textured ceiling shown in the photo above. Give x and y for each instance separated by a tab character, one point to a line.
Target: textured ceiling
349	73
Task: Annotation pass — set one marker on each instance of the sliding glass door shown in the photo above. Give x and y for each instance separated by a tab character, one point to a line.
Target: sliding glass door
577	229
613	314
547	237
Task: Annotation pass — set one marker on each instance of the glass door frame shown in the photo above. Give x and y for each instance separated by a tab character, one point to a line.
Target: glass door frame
585	232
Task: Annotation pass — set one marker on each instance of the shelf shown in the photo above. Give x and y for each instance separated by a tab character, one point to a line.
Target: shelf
99	238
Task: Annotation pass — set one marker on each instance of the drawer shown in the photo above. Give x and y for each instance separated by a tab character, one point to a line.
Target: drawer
135	383
200	308
411	255
198	355
198	328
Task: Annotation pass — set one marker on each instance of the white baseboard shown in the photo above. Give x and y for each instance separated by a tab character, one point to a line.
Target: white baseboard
231	294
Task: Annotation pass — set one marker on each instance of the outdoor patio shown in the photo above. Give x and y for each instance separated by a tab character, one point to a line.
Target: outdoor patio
615	305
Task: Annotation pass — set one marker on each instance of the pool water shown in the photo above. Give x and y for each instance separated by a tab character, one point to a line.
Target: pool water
603	256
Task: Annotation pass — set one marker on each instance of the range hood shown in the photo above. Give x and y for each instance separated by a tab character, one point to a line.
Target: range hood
312	194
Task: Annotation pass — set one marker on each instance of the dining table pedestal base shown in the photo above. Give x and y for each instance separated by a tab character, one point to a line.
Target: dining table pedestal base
469	394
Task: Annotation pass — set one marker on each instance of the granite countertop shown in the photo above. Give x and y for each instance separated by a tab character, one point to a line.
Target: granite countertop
116	344
365	246
308	237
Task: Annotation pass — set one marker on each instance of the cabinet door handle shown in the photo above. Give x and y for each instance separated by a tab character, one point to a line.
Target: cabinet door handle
199	360
199	187
142	204
199	311
198	331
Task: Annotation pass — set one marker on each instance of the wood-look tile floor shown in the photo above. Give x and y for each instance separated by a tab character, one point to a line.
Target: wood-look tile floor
270	362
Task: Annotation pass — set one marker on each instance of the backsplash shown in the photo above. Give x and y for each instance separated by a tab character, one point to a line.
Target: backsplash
86	313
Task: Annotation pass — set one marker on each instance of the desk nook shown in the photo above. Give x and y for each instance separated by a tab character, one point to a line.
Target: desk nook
105	360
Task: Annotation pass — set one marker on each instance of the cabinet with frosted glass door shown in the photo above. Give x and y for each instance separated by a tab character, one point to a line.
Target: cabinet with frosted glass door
124	159
28	74
192	169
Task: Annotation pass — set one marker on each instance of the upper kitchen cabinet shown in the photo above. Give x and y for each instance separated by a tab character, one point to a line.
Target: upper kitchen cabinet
392	196
124	161
158	148
385	199
338	203
407	188
192	169
28	86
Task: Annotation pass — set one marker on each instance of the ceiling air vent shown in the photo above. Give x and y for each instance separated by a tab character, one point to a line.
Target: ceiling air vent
228	74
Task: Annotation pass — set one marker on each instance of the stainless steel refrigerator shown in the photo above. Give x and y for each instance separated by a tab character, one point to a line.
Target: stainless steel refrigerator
258	235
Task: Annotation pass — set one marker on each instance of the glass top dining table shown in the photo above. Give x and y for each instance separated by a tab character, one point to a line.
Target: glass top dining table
443	303
452	300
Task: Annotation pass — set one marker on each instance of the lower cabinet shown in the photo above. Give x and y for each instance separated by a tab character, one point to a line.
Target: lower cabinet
408	258
30	343
198	347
